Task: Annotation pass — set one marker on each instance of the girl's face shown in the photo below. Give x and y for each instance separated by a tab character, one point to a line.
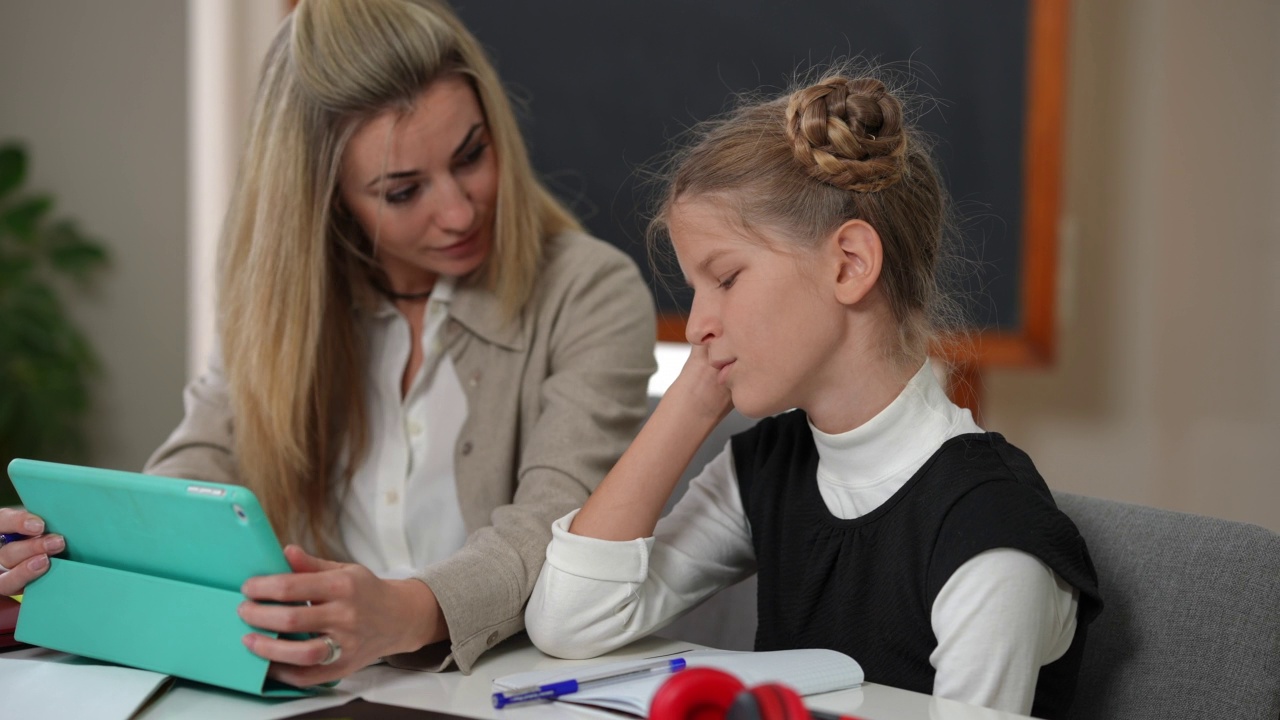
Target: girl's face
424	185
769	325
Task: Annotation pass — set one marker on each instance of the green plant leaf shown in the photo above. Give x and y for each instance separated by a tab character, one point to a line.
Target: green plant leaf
13	270
72	253
46	362
78	257
13	167
23	219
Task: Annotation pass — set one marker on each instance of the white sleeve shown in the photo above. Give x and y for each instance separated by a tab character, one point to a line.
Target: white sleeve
595	595
999	618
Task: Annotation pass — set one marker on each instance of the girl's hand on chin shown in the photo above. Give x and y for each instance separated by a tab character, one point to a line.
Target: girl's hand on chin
699	384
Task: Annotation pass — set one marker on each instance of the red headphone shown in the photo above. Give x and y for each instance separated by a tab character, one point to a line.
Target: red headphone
710	694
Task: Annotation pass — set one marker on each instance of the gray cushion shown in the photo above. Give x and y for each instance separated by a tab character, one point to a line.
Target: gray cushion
1191	627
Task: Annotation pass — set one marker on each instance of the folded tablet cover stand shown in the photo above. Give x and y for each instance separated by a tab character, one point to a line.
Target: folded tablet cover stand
152	572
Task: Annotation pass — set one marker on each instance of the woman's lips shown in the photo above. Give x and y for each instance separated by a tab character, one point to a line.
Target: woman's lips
465	246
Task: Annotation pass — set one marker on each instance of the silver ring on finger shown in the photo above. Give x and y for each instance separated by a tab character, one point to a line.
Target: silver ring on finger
335	651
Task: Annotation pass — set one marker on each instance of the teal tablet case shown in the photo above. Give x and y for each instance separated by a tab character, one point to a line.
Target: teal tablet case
152	572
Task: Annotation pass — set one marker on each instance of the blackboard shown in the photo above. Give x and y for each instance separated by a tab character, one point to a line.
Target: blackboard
604	86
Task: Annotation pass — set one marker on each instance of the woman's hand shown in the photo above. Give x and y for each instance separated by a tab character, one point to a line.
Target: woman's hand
365	616
24	560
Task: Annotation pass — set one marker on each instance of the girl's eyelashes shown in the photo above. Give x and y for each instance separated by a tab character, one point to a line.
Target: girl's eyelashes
728	281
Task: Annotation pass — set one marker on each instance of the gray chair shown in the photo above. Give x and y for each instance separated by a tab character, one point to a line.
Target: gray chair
1191	624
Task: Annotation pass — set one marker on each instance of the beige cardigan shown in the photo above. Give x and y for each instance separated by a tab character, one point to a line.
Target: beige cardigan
553	398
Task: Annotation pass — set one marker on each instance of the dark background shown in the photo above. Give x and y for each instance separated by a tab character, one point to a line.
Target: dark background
605	86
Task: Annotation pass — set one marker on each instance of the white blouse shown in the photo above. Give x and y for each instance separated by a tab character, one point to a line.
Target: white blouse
1000	617
401	511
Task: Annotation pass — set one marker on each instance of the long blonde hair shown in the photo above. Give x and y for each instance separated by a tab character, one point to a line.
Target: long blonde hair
291	269
804	162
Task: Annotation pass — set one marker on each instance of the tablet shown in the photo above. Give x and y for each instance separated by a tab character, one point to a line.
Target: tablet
151	574
198	532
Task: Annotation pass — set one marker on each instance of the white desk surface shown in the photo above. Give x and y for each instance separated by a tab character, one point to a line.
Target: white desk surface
469	695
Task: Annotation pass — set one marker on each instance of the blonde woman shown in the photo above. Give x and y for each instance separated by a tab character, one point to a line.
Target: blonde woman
423	360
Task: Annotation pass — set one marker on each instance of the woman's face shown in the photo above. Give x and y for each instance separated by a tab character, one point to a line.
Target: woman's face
424	185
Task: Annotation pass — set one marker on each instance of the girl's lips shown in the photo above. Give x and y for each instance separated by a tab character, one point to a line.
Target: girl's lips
723	366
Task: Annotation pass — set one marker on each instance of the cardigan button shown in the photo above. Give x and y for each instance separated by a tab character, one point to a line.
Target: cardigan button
492	639
466	448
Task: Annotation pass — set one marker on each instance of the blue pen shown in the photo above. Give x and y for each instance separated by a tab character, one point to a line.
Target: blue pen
565	687
6	538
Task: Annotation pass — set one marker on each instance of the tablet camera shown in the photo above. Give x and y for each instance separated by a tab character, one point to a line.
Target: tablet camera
240	513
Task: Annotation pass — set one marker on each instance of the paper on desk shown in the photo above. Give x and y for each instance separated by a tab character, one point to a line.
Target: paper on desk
807	671
73	689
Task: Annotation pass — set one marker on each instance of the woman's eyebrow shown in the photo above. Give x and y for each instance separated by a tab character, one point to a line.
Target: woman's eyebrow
467	140
398	174
393	176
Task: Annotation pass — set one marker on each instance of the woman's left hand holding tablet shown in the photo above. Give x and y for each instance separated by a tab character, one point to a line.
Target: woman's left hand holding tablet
363	617
24	560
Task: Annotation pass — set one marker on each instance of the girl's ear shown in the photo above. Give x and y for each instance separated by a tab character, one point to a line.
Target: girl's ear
856	248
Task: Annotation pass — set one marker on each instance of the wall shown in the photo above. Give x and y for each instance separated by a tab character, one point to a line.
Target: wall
1167	387
98	92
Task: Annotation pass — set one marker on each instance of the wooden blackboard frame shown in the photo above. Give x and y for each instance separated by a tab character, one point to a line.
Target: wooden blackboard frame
1034	343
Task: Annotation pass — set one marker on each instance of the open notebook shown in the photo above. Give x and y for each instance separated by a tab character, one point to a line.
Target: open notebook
55	687
807	671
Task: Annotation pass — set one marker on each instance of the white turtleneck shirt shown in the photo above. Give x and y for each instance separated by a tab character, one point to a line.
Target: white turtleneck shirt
999	618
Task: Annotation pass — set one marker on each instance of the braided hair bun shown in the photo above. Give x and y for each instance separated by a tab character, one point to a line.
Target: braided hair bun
848	133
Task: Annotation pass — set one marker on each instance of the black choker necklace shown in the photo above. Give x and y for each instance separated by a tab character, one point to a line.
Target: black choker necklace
392	294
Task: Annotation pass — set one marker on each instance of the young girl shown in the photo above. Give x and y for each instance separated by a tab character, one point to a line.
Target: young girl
883	522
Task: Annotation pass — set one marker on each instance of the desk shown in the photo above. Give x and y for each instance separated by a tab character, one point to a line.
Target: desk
469	695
